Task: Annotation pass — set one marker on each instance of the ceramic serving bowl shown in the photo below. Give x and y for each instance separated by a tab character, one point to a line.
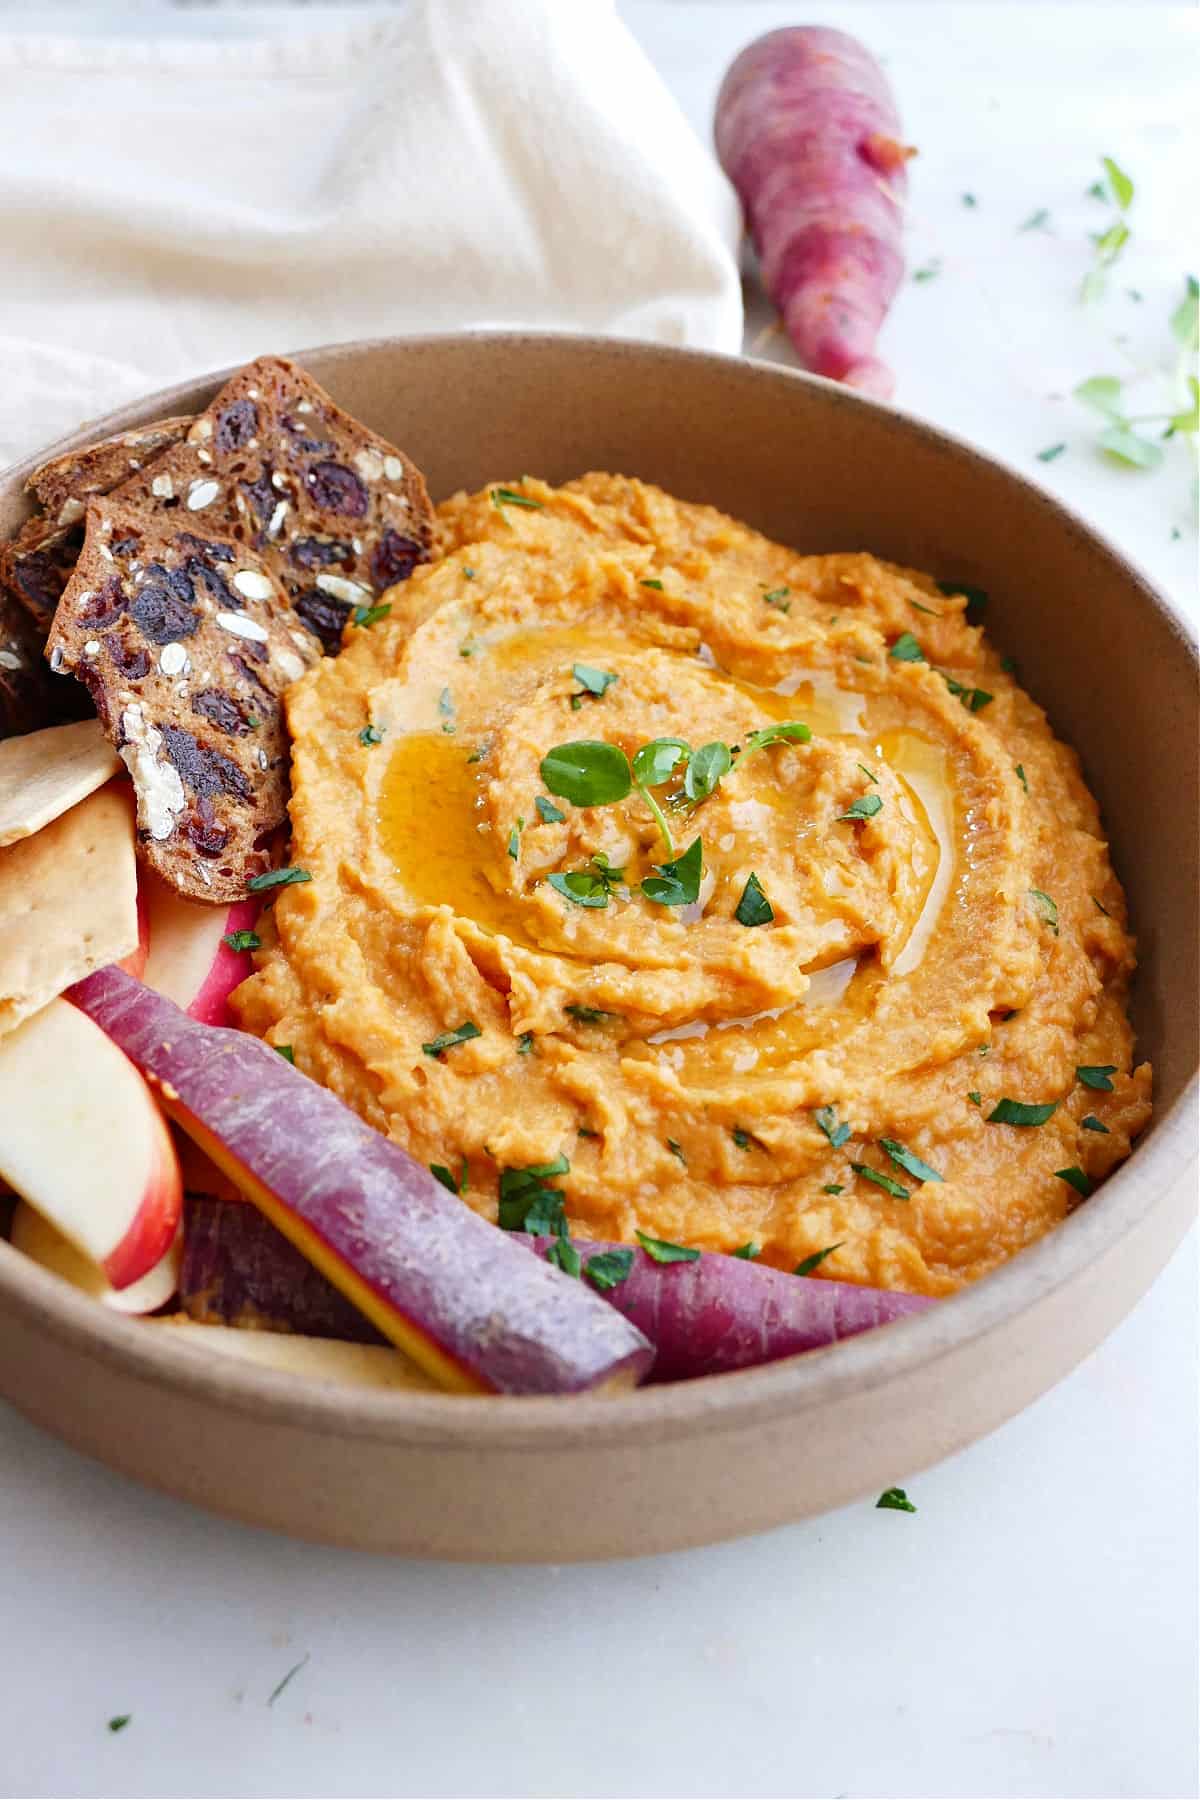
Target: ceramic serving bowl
820	468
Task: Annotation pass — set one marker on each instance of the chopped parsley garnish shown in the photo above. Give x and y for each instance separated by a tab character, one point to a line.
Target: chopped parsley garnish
790	731
1120	186
650	582
746	1140
975	1097
1022	1112
908	1161
932	611
1051	453
867	773
1037	221
368	615
677	883
652	765
1045	909
1092	1123
833	1187
585	1131
119	1722
273	878
1185	320
754	908
588	772
894	1499
295	1669
865	807
593	681
1020	768
969	200
468	573
468	648
525	1043
548	812
884	1181
287	1053
973	698
462	1035
563	1254
778	598
928	271
446	708
704	771
906	649
659	1250
478	755
1096	1076
747	1252
976	597
369	735
502	497
827	1121
590	886
242	940
1075	1177
808	1263
607	1270
589	1015
457	1184
527	1204
676	1150
514	839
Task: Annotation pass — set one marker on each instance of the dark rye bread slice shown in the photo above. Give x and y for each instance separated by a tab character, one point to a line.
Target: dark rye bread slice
336	513
185	645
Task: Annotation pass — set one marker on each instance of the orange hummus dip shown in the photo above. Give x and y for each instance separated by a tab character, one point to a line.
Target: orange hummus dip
882	1006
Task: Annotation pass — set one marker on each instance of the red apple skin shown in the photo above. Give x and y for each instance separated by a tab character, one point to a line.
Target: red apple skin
229	968
474	1309
83	1140
157	1220
189	961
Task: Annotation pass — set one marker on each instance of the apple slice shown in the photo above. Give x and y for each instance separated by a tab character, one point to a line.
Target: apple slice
475	1310
82	1140
135	963
312	1359
36	1238
189	961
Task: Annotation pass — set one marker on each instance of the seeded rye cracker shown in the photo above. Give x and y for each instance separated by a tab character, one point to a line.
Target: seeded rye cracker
29	696
185	644
336	513
36	565
64	486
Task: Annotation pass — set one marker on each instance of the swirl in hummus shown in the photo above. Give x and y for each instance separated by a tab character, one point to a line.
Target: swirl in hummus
820	1070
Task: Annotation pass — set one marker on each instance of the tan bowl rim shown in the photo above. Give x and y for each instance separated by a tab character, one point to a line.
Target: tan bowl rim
655	1414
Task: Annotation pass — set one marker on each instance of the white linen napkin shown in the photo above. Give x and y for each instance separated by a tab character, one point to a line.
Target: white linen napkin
170	206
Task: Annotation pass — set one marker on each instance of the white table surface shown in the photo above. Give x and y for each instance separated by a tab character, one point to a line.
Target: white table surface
1032	1630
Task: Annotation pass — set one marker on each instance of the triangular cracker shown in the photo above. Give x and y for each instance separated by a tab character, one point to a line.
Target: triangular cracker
68	902
46	773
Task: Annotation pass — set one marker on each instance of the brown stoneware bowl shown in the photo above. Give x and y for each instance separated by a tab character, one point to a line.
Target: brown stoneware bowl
512	1479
